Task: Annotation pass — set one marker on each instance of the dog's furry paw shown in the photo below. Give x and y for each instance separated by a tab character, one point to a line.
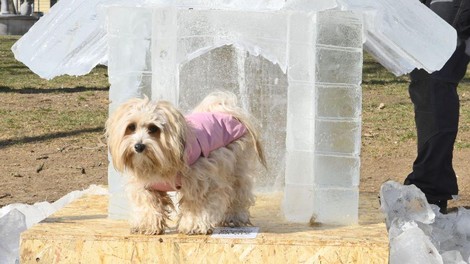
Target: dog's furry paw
235	224
148	226
190	226
200	232
143	231
196	231
236	220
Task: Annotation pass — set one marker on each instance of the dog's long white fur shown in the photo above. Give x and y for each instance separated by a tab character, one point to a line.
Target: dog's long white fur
215	191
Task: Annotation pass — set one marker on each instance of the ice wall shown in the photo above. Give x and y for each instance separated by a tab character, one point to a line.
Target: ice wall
130	75
248	61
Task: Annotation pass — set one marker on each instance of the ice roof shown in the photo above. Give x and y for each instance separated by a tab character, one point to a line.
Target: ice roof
401	34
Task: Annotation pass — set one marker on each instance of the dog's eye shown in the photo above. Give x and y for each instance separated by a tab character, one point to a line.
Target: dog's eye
131	127
153	129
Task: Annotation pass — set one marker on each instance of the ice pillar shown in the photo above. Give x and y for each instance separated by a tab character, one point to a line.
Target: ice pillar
130	75
323	118
163	55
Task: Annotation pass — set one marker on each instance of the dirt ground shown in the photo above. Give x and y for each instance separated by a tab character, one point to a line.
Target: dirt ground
46	167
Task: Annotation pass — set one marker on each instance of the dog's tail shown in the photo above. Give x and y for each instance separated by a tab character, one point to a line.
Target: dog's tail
226	102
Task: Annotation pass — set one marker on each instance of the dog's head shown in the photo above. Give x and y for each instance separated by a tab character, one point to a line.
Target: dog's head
147	138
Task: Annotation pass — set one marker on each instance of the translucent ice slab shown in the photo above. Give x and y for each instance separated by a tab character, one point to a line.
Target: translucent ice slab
404	34
413	246
406	202
69	40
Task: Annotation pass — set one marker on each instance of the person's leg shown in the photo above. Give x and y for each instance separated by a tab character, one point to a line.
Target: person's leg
436	108
436	105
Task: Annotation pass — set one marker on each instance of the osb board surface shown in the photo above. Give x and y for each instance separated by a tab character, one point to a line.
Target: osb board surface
81	232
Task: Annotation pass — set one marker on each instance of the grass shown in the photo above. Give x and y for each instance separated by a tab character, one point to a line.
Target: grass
35	108
74	103
389	128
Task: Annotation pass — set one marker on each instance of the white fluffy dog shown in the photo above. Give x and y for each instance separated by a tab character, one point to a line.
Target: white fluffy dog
209	156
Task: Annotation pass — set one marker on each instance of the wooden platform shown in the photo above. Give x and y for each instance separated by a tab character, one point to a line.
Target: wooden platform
81	233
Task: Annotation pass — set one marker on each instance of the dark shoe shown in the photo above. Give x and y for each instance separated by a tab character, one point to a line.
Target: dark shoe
442	205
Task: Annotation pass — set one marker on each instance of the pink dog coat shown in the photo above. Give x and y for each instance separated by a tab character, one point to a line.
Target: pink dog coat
209	131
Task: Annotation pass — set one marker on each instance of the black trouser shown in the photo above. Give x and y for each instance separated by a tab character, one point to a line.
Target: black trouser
436	105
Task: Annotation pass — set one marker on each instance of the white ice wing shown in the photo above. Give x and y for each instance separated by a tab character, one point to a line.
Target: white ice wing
70	39
404	34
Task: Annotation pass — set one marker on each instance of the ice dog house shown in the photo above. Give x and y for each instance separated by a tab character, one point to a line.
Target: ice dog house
298	73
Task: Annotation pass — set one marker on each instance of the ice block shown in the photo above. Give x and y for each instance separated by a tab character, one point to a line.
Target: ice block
324	118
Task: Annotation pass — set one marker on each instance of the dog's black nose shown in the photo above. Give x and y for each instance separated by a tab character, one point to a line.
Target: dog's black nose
139	147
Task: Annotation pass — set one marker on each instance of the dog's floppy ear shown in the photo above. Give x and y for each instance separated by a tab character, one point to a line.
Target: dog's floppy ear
174	127
116	125
117	116
161	119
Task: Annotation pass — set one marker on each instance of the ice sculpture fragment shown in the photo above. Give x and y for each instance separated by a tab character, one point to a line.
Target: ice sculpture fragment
68	41
397	30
